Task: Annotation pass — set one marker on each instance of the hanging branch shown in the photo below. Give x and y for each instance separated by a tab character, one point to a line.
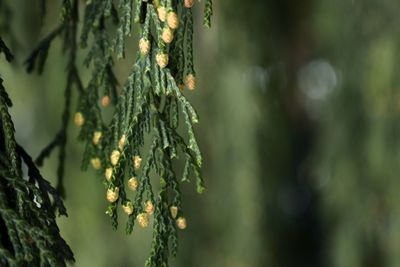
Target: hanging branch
208	11
68	30
4	49
6	16
150	106
29	233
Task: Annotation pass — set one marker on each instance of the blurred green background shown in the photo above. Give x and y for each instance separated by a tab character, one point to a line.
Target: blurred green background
299	104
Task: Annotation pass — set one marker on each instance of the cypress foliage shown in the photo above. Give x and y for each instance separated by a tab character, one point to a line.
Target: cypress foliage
29	235
144	137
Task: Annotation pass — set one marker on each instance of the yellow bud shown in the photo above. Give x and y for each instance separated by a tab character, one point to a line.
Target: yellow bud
172	20
137	161
112	194
188	3
128	208
105	101
96	163
167	35
144	46
181	223
122	142
149	207
96	137
79	120
174	211
108	174
162	60
115	157
190	82
143	219
162	13
133	184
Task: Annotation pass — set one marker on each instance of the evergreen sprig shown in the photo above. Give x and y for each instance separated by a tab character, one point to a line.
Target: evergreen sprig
29	235
68	31
208	11
153	122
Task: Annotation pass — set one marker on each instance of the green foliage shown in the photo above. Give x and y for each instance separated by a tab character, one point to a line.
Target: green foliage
29	235
148	109
68	30
4	49
208	10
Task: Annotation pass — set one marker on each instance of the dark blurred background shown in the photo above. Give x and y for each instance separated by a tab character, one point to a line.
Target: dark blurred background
299	104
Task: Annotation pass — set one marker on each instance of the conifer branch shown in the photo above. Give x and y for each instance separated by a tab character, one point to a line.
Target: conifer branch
29	233
68	28
208	11
4	49
150	106
39	54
